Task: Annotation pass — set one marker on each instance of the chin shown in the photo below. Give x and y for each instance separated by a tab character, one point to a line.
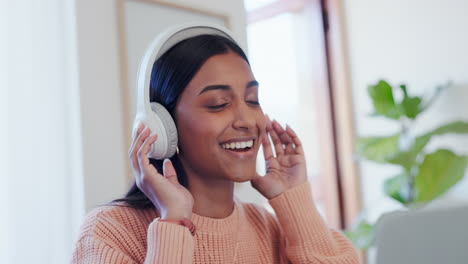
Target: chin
242	175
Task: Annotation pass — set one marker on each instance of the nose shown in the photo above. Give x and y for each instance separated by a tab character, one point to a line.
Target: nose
244	117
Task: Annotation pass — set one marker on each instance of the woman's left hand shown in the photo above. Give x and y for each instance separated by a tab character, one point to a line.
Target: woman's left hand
285	170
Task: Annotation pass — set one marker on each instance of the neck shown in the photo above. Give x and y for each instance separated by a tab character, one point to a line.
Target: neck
213	197
215	200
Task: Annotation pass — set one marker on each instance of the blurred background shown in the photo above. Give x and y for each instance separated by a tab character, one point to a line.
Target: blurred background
67	99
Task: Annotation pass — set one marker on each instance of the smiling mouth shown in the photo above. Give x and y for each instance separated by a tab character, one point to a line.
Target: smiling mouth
241	146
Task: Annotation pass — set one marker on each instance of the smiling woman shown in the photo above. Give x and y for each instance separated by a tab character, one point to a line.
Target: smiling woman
225	111
183	210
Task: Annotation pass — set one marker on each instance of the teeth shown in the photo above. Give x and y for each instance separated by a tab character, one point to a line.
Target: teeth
238	145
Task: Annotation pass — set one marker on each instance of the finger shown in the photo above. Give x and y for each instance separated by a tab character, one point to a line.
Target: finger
288	142
297	142
276	140
137	142
134	137
137	146
266	146
256	180
285	138
142	154
289	149
169	171
268	122
138	130
277	127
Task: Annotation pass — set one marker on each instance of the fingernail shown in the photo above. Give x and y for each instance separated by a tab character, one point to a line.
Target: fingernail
165	161
141	127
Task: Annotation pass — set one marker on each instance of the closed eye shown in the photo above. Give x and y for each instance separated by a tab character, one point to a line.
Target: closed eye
215	107
253	102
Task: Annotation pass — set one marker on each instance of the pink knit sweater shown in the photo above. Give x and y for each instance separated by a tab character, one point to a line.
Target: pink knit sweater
115	234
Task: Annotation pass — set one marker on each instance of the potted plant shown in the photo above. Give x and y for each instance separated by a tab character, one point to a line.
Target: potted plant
423	176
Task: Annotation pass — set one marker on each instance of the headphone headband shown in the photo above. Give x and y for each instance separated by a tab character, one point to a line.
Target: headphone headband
162	43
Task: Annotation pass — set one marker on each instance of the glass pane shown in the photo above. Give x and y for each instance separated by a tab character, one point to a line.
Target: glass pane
278	56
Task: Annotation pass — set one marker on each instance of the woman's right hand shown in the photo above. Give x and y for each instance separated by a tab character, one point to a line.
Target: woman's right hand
173	201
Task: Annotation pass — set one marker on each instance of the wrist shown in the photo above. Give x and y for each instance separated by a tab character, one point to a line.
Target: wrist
184	222
175	216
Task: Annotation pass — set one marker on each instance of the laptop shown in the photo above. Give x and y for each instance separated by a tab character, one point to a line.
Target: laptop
423	236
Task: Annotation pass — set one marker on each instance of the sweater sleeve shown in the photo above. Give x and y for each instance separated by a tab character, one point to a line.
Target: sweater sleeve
307	237
167	243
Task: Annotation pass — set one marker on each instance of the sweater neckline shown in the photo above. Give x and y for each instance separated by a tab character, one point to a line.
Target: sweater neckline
224	225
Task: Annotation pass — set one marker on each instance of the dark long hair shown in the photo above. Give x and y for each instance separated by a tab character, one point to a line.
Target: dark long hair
171	73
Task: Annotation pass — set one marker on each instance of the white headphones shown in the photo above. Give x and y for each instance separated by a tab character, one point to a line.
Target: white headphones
154	115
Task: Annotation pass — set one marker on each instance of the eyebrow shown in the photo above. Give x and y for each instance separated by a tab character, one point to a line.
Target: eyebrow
226	87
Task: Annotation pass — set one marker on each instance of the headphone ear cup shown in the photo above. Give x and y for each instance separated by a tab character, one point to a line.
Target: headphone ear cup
161	122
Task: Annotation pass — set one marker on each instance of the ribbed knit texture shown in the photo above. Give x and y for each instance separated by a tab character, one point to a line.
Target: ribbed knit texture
297	234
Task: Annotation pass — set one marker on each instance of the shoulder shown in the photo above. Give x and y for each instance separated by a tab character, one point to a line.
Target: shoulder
255	210
259	216
110	220
113	227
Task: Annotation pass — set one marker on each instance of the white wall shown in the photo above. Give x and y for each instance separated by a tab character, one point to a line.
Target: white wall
421	43
104	147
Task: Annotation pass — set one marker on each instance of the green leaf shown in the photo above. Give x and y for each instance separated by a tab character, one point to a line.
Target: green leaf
383	101
378	149
411	106
362	236
395	186
458	127
405	91
408	158
438	172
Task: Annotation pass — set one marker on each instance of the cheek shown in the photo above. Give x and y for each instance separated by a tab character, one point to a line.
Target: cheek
197	132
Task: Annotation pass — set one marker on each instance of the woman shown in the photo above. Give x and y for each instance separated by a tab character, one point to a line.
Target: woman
183	210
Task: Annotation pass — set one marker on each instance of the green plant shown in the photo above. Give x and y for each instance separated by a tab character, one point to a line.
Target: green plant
424	176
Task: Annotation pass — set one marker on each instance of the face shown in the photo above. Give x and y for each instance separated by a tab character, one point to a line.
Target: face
219	120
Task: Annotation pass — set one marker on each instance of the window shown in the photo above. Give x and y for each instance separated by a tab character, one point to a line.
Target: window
287	48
